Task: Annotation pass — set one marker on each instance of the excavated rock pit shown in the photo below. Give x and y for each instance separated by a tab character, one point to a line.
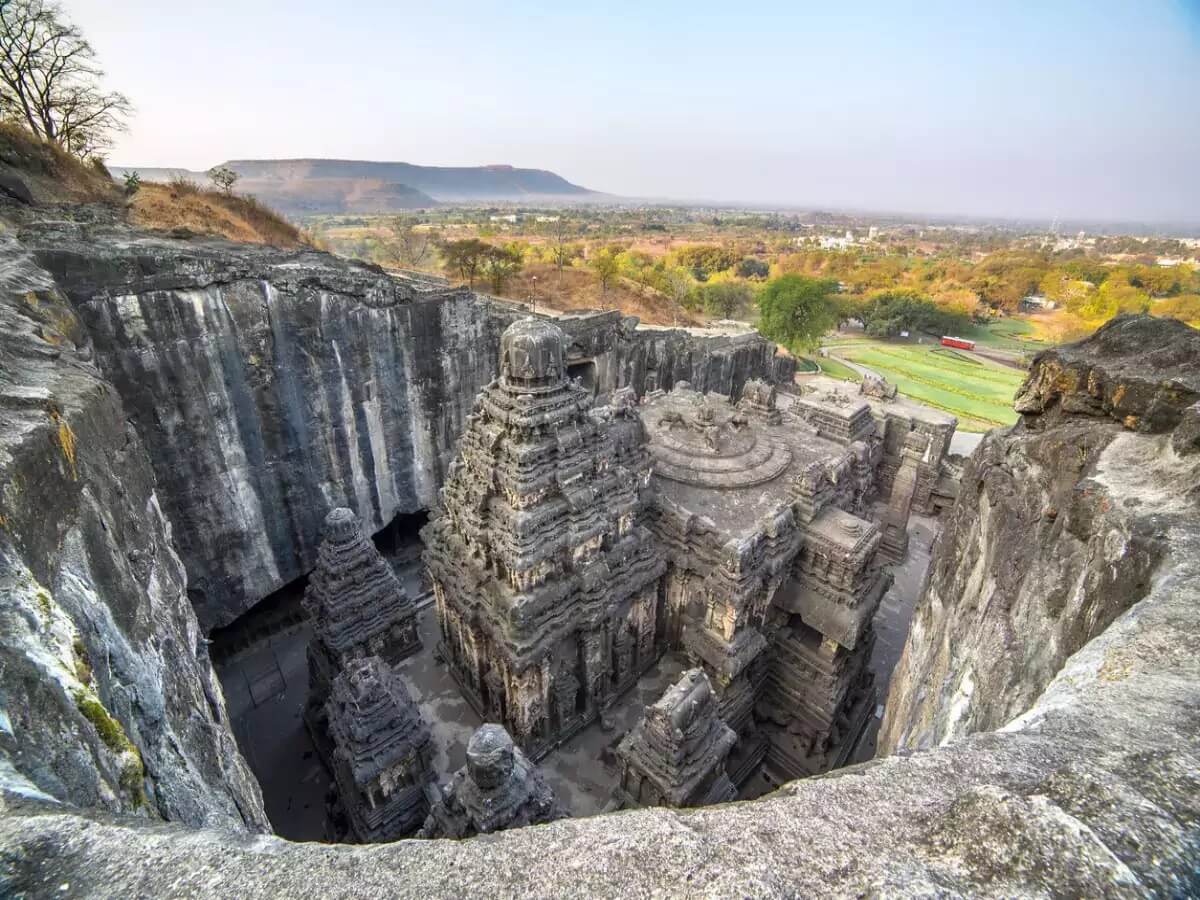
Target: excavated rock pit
179	414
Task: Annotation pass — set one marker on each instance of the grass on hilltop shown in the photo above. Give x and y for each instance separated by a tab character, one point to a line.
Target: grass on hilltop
185	204
51	174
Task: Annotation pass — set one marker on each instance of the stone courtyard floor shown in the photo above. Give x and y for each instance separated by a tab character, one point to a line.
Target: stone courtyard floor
266	688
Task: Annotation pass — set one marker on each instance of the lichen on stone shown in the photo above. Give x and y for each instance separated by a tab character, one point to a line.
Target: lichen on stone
114	737
66	440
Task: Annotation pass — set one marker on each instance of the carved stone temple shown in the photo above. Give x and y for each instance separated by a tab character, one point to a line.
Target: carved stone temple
759	514
382	752
574	546
676	755
545	577
358	609
498	788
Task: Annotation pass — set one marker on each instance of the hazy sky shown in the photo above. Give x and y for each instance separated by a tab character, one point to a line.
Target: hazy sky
1040	109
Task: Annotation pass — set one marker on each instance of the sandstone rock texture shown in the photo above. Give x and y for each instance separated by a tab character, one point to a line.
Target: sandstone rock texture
107	697
270	386
1092	790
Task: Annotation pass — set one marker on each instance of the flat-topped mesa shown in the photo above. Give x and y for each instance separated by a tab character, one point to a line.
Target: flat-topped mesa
498	788
382	752
675	756
359	608
544	577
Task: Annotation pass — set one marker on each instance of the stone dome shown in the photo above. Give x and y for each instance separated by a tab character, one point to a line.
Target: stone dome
531	355
341	526
490	756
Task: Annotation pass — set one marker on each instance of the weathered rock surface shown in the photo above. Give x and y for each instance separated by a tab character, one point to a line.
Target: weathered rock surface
1092	791
107	697
1047	545
270	386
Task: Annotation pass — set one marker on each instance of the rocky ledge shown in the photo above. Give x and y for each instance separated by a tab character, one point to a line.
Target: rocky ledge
1072	636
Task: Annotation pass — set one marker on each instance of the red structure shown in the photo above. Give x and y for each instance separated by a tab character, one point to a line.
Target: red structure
960	343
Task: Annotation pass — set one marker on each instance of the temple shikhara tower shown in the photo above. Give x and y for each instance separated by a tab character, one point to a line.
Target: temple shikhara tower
382	752
545	578
358	608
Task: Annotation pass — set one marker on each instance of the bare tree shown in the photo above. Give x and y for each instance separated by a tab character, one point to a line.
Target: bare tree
50	80
410	246
560	251
223	177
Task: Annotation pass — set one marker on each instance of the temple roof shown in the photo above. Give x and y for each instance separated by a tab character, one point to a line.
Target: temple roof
733	464
373	719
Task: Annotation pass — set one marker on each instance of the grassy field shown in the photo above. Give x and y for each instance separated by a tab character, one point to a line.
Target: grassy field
976	390
835	369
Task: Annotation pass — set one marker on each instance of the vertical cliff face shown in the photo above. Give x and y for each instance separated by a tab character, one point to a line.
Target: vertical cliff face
271	386
1063	522
107	697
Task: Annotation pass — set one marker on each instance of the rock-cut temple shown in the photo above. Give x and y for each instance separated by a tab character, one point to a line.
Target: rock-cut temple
545	575
575	543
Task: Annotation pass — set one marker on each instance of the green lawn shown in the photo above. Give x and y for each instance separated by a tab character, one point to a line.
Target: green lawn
835	369
976	390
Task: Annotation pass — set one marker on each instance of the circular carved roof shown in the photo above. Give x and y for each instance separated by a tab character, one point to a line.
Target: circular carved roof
715	447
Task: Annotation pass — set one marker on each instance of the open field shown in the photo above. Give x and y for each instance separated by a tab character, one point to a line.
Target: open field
975	389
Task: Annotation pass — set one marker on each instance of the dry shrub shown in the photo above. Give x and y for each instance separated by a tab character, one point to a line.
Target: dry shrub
51	173
167	207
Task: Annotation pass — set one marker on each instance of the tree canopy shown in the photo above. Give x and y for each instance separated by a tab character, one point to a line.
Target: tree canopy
887	313
50	80
796	311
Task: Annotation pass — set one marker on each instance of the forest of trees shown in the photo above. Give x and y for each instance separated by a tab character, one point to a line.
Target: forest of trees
936	290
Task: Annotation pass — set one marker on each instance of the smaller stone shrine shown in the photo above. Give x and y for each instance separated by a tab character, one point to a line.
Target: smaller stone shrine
382	753
675	756
841	416
498	788
358	608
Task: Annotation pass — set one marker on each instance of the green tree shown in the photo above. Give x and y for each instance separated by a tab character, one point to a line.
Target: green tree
753	268
887	313
796	311
847	307
726	299
705	260
465	257
606	266
500	264
223	177
677	284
